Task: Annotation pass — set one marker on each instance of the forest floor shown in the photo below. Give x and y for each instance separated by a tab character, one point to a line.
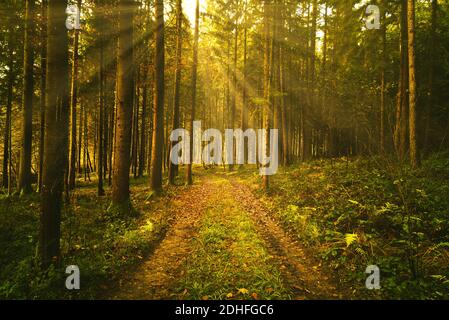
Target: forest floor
223	244
312	236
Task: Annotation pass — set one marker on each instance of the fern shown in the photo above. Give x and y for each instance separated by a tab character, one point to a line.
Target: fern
350	238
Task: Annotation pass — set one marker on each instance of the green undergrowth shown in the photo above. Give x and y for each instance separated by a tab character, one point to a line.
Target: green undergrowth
101	245
369	212
229	260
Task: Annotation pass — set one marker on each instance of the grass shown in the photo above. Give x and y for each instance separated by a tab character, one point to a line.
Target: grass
101	246
369	212
229	260
349	214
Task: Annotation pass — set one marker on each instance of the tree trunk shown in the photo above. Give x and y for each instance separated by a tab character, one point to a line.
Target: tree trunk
100	132
158	120
74	95
189	178
120	180
43	91
402	100
143	126
234	78
430	80
24	183
244	116
7	132
173	168
412	83
56	133
266	87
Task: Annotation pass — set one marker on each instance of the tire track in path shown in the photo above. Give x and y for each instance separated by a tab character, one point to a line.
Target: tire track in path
300	272
156	277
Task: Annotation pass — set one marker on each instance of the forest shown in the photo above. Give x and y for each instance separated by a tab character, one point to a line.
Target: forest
224	149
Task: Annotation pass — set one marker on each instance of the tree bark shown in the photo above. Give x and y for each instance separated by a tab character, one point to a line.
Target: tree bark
159	92
189	178
125	85
431	74
24	183
7	132
173	168
43	91
412	83
56	133
74	99
100	127
266	87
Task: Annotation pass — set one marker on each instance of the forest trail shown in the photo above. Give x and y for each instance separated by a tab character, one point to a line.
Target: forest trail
223	244
155	278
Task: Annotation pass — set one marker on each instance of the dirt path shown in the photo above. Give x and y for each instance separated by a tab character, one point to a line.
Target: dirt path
158	277
155	278
300	272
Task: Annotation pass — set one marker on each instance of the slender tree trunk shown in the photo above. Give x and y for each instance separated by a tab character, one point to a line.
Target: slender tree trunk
412	83
430	80
234	78
43	91
135	146
173	168
403	100
244	116
74	95
125	85
111	143
189	178
56	133
159	92
266	86
100	132
24	183
80	139
285	151
7	132
383	86
143	126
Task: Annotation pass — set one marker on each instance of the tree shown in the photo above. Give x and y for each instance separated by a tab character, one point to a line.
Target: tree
173	168
266	86
158	120
101	107
73	103
24	183
403	97
431	72
412	82
189	178
9	100
56	133
43	91
124	105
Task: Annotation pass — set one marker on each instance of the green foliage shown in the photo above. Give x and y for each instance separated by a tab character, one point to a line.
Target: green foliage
371	212
101	244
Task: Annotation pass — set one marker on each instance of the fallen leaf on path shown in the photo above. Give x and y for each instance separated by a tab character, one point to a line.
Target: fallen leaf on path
243	291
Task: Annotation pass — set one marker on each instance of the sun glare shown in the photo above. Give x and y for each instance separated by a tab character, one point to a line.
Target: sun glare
189	7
